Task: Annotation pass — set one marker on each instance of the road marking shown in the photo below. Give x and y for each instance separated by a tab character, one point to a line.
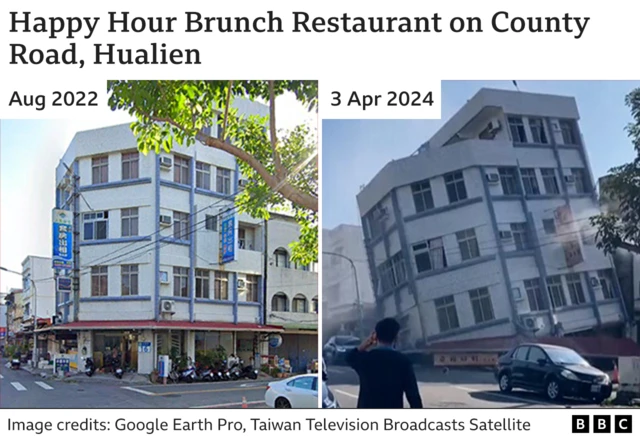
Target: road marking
503	396
19	387
144	392
230	404
1	377
186	392
45	386
342	392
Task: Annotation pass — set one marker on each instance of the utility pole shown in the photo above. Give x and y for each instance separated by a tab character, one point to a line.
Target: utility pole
265	252
355	277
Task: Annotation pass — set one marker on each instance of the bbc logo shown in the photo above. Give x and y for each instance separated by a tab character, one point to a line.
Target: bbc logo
601	424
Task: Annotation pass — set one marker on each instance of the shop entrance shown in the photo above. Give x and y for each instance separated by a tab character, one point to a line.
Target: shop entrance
115	348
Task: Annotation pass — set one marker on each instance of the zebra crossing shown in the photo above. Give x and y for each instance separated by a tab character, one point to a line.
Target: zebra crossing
21	388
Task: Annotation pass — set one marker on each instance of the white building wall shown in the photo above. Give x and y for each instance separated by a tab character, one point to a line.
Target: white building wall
447	153
39	270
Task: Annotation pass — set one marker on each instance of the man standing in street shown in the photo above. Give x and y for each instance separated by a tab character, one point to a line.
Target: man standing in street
386	375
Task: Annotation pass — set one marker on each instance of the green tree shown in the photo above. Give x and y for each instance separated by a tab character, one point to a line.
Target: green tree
618	229
281	166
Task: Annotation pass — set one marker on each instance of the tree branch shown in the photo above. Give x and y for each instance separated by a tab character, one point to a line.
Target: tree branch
280	171
277	184
629	247
226	112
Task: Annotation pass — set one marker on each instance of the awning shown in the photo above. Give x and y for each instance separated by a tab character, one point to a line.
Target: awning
174	324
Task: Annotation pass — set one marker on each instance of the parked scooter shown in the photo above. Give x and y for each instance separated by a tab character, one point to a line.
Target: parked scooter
89	367
15	363
248	371
188	375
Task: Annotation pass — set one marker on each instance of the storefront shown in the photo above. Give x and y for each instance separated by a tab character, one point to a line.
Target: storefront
139	343
299	346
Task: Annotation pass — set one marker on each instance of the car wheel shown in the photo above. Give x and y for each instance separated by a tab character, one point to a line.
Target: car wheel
504	382
282	403
554	392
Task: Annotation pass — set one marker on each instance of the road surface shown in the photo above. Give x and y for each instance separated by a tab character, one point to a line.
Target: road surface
21	389
455	389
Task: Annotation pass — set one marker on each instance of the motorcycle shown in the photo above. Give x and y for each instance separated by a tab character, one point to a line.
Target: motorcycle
116	368
89	367
188	375
15	363
248	371
236	372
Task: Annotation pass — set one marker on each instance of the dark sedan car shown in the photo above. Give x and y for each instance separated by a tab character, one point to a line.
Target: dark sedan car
553	370
336	348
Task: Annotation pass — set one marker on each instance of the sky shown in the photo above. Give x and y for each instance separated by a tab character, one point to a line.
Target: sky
353	151
29	153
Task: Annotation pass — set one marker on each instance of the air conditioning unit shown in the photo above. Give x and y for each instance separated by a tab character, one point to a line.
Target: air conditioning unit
168	306
243	182
569	179
166	162
493	178
494	126
533	323
241	284
165	220
505	235
594	282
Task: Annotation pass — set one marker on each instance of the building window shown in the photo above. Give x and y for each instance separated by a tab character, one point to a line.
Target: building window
550	181
223	180
468	244
314	305
180	282
129	274
447	314
456	190
568	133
392	272
280	302
520	236
211	223
530	181
282	258
549	226
556	291
375	221
181	170
180	225
95	225
604	276
202	284
516	126
580	177
100	170
129	221
99	281
242	238
130	165
481	305
203	176
422	196
221	285
534	295
429	255
509	181
536	125
299	304
251	284
576	293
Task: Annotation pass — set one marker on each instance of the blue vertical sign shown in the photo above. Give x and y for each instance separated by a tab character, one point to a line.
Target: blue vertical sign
228	240
62	239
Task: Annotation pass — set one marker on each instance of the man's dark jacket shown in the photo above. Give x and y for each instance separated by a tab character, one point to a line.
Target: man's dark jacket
385	376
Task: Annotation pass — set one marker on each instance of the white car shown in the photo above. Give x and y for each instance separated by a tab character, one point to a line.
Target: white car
298	392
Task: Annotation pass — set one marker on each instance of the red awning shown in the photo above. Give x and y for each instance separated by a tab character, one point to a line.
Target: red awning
173	324
598	346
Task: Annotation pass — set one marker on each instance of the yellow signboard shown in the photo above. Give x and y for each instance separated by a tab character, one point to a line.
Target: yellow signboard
470	359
